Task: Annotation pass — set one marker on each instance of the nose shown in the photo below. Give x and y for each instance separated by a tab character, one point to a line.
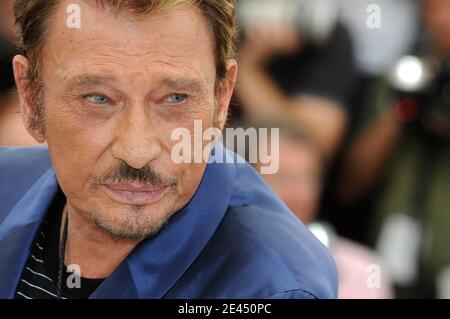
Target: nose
136	140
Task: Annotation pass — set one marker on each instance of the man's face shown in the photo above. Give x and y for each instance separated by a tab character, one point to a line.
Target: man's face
437	20
114	90
298	180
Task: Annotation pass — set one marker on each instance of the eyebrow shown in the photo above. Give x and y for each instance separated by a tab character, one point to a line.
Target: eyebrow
84	80
181	83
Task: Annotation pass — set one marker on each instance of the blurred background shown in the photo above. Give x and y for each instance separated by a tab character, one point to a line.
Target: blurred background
360	90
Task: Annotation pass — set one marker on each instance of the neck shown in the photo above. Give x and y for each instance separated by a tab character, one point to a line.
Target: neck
96	253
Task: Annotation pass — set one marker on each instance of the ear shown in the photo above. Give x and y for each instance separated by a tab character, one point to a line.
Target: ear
26	98
225	93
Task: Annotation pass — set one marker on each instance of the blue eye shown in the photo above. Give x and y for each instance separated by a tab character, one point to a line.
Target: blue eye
176	98
97	99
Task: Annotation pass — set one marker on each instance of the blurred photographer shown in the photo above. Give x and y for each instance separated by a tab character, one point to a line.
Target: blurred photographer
296	65
404	151
299	183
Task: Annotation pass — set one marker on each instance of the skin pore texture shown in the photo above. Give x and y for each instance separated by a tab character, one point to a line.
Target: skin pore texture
114	91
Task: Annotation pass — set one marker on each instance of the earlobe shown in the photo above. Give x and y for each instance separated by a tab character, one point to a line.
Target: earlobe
26	100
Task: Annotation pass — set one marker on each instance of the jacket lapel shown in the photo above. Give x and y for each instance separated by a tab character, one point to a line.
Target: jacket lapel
19	229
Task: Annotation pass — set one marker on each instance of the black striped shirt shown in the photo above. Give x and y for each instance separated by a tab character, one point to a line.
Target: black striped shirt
39	277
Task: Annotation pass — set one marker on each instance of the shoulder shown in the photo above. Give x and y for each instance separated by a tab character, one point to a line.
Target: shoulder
279	241
23	163
285	253
20	168
12	154
261	250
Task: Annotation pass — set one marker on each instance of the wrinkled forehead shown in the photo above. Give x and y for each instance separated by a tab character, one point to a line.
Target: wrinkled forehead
90	36
175	28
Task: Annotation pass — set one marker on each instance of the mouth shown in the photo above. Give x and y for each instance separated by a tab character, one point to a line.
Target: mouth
135	194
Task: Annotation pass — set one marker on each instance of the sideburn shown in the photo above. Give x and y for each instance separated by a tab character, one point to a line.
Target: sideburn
37	116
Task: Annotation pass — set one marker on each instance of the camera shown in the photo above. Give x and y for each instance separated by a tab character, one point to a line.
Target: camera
425	80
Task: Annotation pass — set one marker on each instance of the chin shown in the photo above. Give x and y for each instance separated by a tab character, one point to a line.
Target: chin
131	222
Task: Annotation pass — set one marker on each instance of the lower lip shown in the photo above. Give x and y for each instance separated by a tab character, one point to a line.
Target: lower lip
128	197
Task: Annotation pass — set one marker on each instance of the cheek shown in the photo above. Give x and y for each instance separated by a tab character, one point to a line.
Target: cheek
190	178
75	148
196	121
74	139
189	174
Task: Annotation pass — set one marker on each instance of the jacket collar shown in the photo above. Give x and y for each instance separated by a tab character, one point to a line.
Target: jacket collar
154	266
19	229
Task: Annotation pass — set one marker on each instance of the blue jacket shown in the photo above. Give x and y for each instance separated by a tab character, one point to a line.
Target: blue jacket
235	239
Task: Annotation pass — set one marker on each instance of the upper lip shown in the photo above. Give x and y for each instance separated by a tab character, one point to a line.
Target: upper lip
135	187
